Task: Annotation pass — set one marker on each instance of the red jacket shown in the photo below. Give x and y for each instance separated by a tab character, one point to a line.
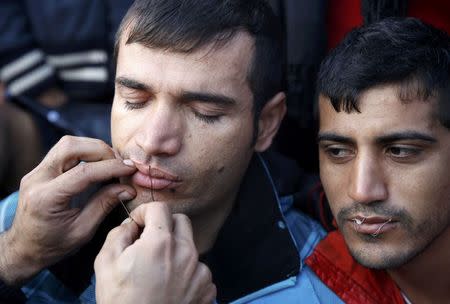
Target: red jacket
352	282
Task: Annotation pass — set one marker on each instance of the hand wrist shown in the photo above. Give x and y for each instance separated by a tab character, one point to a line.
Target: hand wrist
15	267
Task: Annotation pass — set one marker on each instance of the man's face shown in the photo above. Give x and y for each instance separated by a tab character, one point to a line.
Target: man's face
386	175
189	117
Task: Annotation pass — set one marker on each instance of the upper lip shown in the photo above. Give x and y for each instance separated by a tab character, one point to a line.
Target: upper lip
155	172
372	219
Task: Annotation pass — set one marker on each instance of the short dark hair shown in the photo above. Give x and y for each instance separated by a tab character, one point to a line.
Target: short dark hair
187	25
401	51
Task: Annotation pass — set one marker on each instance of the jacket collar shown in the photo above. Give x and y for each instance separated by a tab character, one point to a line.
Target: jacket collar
253	249
352	282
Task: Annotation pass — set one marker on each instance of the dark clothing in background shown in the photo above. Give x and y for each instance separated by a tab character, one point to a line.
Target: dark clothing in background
61	43
305	46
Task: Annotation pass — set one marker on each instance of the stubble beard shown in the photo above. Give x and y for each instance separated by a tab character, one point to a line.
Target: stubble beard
419	239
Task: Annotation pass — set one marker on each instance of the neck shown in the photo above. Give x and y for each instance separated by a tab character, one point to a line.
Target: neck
206	226
425	279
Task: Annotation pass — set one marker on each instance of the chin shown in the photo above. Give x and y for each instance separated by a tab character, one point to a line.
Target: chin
382	258
175	206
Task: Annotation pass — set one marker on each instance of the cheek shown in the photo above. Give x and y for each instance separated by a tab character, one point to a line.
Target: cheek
221	150
123	125
334	180
423	190
428	198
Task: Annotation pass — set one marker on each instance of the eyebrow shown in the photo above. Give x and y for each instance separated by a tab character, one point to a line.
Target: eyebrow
406	135
328	136
397	136
132	84
185	96
208	98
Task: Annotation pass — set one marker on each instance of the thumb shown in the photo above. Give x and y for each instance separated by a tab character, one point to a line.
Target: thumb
100	205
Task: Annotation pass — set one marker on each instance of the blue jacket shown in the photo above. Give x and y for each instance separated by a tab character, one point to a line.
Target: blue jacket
257	257
64	43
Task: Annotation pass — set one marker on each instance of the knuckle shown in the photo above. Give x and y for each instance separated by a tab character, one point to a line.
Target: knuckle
24	181
98	262
157	205
164	241
104	146
107	201
81	235
65	142
115	234
190	252
182	217
83	168
204	272
31	194
211	294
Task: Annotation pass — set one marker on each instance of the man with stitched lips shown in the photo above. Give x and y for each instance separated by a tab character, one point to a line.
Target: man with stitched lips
384	147
197	95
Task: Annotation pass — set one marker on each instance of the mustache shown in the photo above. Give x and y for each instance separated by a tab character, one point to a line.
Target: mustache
374	209
137	155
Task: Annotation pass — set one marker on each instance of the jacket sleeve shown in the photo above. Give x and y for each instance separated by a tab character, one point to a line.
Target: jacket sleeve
23	66
9	294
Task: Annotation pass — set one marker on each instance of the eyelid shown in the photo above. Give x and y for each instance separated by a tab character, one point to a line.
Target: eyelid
345	151
405	148
207	106
134	105
207	118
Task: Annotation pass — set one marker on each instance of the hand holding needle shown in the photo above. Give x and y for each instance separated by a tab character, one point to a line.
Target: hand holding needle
151	193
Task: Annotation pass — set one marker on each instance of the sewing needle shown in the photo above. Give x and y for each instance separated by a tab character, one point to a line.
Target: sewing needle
151	182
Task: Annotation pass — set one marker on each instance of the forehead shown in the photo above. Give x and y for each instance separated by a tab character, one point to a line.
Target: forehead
224	69
381	112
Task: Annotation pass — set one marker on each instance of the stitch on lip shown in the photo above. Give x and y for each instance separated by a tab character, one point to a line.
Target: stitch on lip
379	228
151	183
358	221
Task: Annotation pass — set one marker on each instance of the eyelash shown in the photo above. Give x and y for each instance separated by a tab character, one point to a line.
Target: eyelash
134	105
205	118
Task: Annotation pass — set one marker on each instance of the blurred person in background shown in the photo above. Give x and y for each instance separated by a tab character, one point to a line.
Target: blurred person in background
54	55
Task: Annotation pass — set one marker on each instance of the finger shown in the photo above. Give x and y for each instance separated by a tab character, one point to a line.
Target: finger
201	279
117	240
209	295
83	175
120	238
70	150
154	217
98	207
182	227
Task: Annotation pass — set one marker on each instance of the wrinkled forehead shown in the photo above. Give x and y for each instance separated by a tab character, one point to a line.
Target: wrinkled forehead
210	66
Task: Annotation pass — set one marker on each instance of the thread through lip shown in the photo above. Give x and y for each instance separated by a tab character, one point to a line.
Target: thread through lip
358	221
128	211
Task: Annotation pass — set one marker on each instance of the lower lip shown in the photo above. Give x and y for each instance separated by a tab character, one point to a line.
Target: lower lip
373	228
153	183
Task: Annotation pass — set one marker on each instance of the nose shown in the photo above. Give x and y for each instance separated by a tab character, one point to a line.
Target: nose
161	133
367	181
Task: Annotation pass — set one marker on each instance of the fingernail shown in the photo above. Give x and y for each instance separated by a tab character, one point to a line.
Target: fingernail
129	162
126	221
125	196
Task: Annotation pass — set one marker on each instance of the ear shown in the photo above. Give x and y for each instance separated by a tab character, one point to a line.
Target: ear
270	120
